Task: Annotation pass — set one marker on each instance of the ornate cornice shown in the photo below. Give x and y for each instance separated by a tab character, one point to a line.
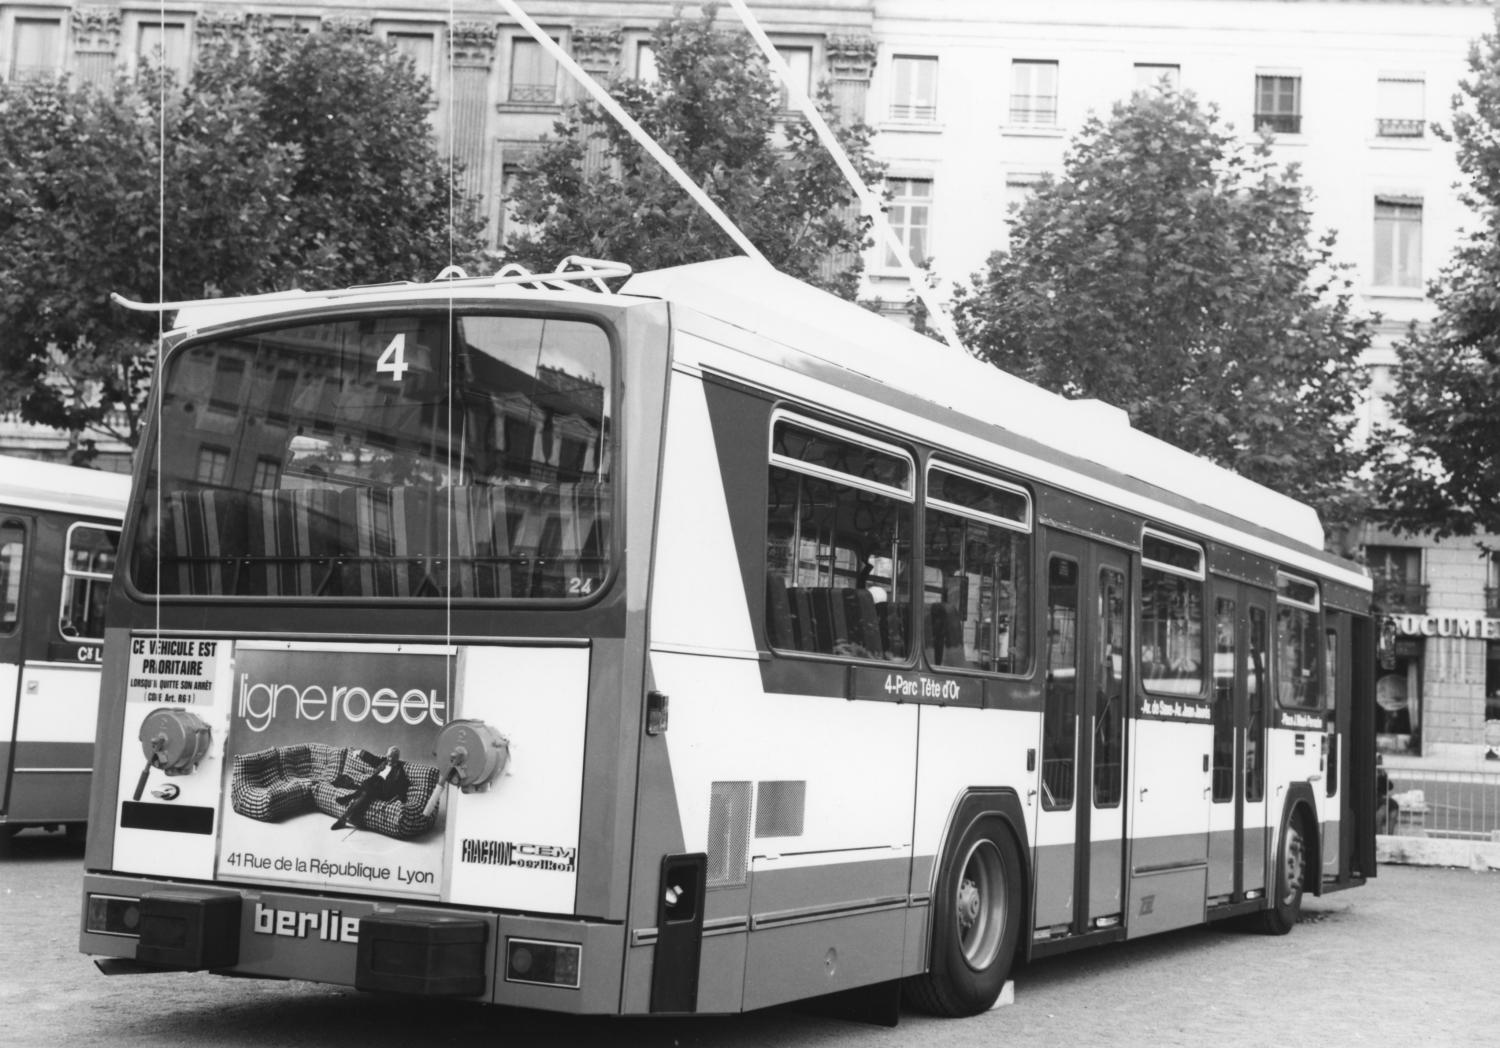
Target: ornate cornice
597	47
350	24
851	57
96	29
217	27
474	43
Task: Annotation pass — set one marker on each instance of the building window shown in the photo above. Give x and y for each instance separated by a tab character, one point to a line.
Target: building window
164	45
533	74
1033	93
1400	107
645	63
1396	572
910	216
800	59
35	48
1398	242
420	49
914	94
213	465
1278	104
1156	76
267	474
1019	189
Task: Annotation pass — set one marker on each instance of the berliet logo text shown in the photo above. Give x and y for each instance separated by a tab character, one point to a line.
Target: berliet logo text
328	925
527	856
260	704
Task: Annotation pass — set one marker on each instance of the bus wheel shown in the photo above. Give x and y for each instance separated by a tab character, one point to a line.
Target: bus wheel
1291	878
976	920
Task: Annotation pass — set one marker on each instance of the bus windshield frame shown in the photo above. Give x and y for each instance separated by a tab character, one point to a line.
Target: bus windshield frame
412	452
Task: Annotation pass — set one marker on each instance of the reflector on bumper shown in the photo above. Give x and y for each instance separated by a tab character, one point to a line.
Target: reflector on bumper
426	956
189	929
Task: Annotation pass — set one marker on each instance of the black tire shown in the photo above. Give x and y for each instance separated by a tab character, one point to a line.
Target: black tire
1290	880
976	920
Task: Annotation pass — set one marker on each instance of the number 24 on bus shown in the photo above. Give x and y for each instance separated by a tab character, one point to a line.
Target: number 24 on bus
695	648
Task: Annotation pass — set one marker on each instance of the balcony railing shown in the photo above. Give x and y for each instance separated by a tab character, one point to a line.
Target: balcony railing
1400	597
545	94
1280	123
917	113
1037	112
1390	127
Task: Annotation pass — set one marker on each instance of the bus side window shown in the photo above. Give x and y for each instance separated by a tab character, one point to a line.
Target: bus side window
838	543
977	575
87	571
12	550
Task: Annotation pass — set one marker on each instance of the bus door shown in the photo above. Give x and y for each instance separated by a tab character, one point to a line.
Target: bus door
1237	819
1080	828
1171	741
1338	846
13	535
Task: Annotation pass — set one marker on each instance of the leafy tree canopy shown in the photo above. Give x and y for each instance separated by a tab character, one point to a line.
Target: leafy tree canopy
289	160
1171	271
715	108
1437	466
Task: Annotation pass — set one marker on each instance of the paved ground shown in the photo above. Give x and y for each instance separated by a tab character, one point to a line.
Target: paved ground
1410	959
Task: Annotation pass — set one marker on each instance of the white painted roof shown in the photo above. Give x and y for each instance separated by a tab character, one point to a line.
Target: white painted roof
49	485
804	320
755	297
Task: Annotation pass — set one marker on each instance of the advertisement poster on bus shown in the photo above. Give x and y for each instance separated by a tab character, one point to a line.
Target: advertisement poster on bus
332	780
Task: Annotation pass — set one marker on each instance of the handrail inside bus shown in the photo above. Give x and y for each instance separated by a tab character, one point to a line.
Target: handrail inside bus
570	272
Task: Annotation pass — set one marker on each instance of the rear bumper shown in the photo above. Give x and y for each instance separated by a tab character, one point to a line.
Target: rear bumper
413	949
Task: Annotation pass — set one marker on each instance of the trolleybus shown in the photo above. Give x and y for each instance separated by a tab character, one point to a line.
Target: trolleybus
691	649
59	526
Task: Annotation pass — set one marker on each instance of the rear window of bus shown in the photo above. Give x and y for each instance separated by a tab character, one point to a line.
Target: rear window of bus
416	455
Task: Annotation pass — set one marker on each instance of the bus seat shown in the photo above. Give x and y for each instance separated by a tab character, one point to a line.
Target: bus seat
779	633
892	619
295	540
945	641
804	633
202	535
863	624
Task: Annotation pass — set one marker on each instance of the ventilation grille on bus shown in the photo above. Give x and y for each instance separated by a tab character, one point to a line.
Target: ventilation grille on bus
728	833
779	807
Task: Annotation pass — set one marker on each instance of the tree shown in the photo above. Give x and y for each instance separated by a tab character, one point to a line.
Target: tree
715	108
1171	271
263	172
1437	468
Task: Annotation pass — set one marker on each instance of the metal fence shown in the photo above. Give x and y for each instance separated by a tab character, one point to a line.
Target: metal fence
1462	805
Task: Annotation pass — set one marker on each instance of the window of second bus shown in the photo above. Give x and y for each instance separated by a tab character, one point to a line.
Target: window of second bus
977	574
1172	574
1298	640
12	555
87	571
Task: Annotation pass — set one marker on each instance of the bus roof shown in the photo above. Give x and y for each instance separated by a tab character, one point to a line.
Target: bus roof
70	489
757	298
805	320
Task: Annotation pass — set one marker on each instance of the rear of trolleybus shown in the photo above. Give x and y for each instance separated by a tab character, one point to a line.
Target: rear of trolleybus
375	671
59	529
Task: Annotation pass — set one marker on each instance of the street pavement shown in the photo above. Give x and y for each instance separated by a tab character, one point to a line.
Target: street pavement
1410	959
